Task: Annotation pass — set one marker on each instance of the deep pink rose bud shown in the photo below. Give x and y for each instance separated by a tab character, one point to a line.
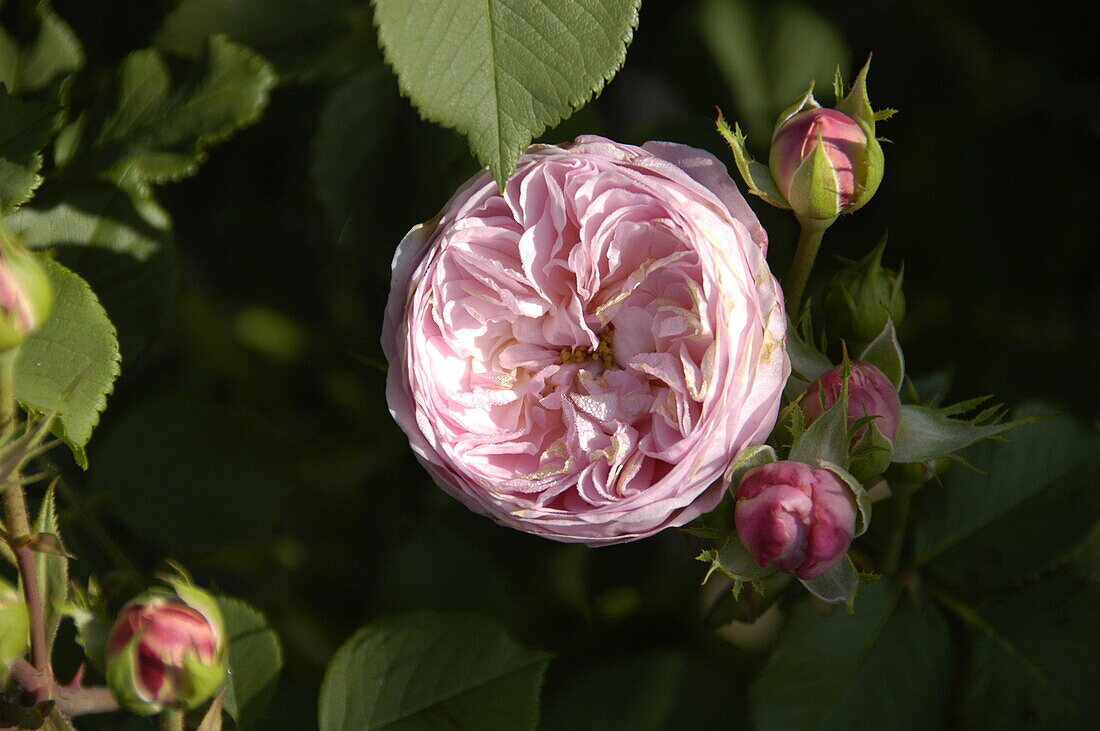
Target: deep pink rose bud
166	650
795	518
870	393
822	184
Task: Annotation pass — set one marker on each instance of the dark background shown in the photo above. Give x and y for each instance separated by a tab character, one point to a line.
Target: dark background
989	199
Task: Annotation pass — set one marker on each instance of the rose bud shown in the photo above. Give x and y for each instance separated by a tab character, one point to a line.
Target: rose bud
861	297
819	159
167	649
792	517
870	393
583	355
14	625
25	293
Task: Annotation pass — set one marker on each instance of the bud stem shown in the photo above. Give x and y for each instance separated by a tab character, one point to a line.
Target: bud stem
809	240
171	720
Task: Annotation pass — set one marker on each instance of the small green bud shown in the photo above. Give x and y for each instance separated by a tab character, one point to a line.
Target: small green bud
14	625
25	293
167	649
861	298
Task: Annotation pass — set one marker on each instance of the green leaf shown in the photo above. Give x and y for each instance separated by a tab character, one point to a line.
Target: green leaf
303	39
1038	502
926	433
888	665
120	243
166	111
255	659
25	128
76	345
432	670
189	476
46	49
827	438
52	568
1033	660
502	71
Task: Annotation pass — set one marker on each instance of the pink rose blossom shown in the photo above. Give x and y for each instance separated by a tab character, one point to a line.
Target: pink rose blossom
870	393
795	518
583	355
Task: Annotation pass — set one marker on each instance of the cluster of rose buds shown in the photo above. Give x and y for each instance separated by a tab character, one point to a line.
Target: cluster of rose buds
167	649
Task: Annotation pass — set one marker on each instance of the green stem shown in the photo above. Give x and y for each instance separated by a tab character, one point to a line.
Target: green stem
896	540
7	392
809	240
171	720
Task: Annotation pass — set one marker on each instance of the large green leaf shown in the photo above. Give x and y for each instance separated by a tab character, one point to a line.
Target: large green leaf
501	71
432	670
886	666
166	110
255	659
303	39
121	243
39	51
25	128
190	476
1039	501
1034	658
77	346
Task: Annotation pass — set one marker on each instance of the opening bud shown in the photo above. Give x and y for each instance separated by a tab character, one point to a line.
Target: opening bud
25	293
793	517
167	648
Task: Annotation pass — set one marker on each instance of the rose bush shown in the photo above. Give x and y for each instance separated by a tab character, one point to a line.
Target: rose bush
582	355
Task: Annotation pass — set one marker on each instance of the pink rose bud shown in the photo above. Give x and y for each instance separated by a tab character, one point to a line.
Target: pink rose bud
795	518
166	650
870	393
25	293
583	355
821	184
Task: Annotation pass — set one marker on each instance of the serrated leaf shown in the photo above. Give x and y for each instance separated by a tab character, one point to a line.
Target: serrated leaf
255	659
432	669
25	128
45	50
149	478
888	665
76	345
502	71
121	243
1037	503
52	568
303	39
165	111
1034	658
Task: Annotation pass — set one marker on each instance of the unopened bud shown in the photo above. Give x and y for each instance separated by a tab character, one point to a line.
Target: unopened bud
14	625
25	293
861	297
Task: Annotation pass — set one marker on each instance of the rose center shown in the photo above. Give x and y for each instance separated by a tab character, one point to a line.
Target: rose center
602	353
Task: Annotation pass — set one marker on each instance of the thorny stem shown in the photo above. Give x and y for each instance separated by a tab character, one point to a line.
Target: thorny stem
809	240
72	700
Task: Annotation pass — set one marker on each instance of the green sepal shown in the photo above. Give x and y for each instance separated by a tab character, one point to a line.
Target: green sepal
757	176
204	604
52	568
125	682
732	606
863	296
749	458
827	438
815	190
734	561
93	624
838	584
14	625
873	454
884	353
863	501
804	104
867	171
856	103
808	362
926	433
200	681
